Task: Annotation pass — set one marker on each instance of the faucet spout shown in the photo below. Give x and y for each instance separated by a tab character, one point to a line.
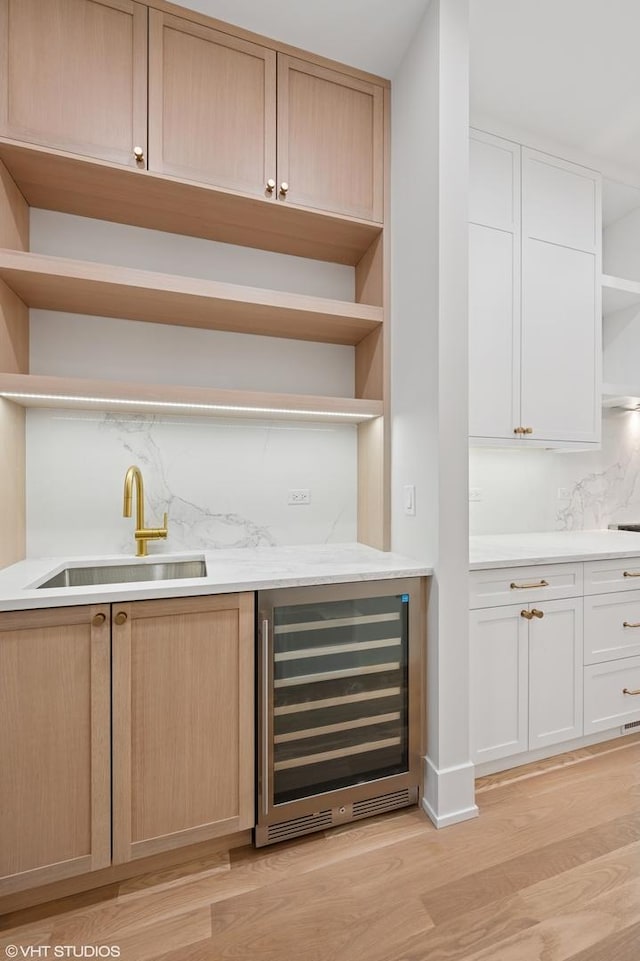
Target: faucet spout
133	480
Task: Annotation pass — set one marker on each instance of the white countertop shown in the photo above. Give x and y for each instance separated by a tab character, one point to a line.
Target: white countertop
487	551
242	569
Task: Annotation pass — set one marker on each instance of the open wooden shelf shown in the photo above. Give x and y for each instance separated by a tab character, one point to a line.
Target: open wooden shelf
619	293
82	287
56	180
34	390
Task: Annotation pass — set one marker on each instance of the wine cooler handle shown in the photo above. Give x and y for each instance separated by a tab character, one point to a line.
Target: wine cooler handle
266	663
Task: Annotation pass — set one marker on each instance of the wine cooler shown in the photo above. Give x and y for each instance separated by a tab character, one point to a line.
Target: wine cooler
339	696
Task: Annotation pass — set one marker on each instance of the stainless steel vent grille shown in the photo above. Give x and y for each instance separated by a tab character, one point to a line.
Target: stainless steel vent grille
631	726
384	802
297	826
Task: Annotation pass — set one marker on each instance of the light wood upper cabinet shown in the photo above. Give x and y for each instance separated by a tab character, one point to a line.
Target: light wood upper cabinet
73	75
330	140
54	745
183	722
212	106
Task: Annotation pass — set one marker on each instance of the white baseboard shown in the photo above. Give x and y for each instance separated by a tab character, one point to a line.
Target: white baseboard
448	795
517	760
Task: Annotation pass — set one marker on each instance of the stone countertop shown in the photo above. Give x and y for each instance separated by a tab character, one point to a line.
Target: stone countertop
487	551
241	569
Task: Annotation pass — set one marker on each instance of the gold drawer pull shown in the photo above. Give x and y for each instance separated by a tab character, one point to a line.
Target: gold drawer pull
527	614
631	574
627	624
625	690
537	613
526	587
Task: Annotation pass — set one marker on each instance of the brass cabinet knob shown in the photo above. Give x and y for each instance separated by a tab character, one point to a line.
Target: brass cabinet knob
138	153
98	619
271	186
527	430
284	189
536	613
526	614
120	617
518	430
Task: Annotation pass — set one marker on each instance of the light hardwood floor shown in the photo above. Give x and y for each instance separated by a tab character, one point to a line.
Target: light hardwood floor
549	872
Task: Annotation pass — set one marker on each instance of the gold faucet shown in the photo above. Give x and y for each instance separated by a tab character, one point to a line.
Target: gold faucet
142	533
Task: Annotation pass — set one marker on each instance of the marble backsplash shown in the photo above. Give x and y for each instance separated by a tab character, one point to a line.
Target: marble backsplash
541	490
223	483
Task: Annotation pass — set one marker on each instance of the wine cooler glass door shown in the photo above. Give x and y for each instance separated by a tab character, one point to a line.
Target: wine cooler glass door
337	714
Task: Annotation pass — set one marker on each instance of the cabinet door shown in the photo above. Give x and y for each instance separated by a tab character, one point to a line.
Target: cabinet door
183	722
555	673
73	75
330	140
494	287
499	710
55	802
212	106
561	315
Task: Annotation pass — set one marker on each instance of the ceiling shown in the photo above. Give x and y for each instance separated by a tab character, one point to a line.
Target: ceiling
370	34
567	70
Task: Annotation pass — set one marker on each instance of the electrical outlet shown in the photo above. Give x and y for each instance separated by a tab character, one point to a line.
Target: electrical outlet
299	497
475	494
564	494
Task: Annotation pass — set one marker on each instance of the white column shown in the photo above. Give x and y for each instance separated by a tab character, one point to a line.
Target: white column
429	375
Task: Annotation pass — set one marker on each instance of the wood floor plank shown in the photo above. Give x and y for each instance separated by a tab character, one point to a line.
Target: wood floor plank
550	871
548	861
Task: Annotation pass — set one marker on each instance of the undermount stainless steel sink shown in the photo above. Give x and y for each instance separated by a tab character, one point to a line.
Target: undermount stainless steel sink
125	573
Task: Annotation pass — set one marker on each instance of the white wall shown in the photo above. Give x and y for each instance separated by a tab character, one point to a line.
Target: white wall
223	482
519	489
429	374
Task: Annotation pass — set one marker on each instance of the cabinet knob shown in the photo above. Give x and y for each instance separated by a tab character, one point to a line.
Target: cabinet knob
527	614
120	617
271	186
138	153
284	189
98	619
536	613
625	690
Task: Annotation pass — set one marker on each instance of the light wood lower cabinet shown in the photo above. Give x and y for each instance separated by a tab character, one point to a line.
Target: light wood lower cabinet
174	681
183	722
73	75
55	756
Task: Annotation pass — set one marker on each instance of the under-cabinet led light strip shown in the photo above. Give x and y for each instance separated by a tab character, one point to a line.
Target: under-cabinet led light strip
179	405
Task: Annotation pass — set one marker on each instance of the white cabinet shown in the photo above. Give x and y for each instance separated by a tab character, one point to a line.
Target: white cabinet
499	709
494	287
534	297
611	626
561	313
555	673
611	694
526	674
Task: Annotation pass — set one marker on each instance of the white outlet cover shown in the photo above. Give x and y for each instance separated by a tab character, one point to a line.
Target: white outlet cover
300	496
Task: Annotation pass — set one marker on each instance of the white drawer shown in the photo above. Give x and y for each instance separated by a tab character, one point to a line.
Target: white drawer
605	704
602	577
512	585
611	626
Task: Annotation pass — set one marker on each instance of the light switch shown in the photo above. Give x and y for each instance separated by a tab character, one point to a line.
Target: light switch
410	499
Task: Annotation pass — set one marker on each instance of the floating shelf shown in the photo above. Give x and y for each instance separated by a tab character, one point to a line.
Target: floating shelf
81	287
56	180
34	390
618	293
